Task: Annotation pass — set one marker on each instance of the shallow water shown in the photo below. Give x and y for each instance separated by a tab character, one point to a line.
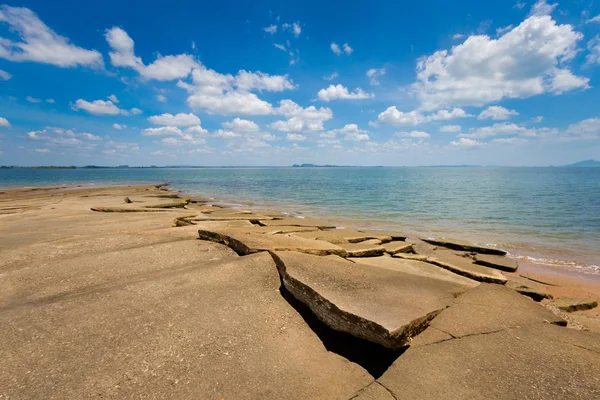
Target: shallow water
551	215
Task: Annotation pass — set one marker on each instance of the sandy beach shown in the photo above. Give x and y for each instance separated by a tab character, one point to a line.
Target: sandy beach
140	291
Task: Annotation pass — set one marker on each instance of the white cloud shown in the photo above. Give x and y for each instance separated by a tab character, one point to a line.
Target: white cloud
271	29
4	123
296	29
228	95
593	47
119	126
180	119
340	92
526	61
542	8
98	107
501	31
175	136
497	113
60	137
586	129
374	74
225	134
538	119
135	111
349	131
465	143
335	48
162	131
512	140
457	36
33	99
280	46
300	119
241	126
450	128
496	129
394	117
295	137
164	68
414	134
42	151
331	77
347	49
161	98
51	101
113	98
5	75
595	19
39	43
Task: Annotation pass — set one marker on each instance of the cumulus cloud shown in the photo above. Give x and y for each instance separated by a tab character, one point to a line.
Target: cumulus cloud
272	29
349	132
331	76
180	119
593	47
335	48
97	107
373	74
457	36
300	119
542	8
119	126
59	137
4	75
226	94
393	116
135	111
340	92
595	19
497	113
295	137
161	98
347	49
4	123
113	98
164	68
526	61
38	43
175	136
450	128
33	99
413	134
241	125
464	143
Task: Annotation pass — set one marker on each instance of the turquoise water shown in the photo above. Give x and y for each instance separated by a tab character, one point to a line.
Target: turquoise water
551	215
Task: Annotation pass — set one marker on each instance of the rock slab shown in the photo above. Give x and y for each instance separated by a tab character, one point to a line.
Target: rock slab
464	246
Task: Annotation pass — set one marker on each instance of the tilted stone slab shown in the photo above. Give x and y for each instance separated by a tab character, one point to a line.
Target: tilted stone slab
338	236
464	246
410	256
275	230
398	247
377	304
502	263
526	290
362	249
541	361
424	249
298	222
418	268
465	266
489	308
399	236
245	241
230	216
571	304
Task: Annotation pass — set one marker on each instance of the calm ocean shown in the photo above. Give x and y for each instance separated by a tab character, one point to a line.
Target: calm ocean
551	215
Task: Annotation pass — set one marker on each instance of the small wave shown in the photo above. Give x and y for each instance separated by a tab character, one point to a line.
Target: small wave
590	269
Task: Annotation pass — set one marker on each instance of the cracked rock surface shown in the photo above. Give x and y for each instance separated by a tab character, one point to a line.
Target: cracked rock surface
381	305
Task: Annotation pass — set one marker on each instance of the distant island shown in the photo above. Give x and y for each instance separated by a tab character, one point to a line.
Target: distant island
312	166
585	164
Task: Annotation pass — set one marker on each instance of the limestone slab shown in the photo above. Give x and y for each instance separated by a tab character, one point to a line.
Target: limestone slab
208	331
398	247
419	268
464	246
362	249
502	263
489	308
245	241
337	236
318	223
465	266
380	305
571	304
538	362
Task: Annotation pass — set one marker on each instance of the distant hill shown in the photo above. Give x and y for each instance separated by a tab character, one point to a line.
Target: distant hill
586	163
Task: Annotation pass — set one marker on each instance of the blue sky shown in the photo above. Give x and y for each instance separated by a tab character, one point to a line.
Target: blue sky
277	83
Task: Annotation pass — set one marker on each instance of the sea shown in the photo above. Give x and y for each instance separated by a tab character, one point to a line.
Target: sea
547	216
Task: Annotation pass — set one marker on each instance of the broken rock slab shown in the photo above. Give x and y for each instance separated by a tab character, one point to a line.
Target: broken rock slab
362	249
398	247
381	305
464	246
571	304
525	290
502	263
318	223
465	266
338	236
245	241
540	361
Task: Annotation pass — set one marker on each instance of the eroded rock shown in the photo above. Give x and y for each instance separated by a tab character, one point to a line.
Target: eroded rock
502	263
571	304
464	246
465	266
311	222
380	305
398	247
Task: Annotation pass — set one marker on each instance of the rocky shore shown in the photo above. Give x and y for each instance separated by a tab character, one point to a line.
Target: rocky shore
141	292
